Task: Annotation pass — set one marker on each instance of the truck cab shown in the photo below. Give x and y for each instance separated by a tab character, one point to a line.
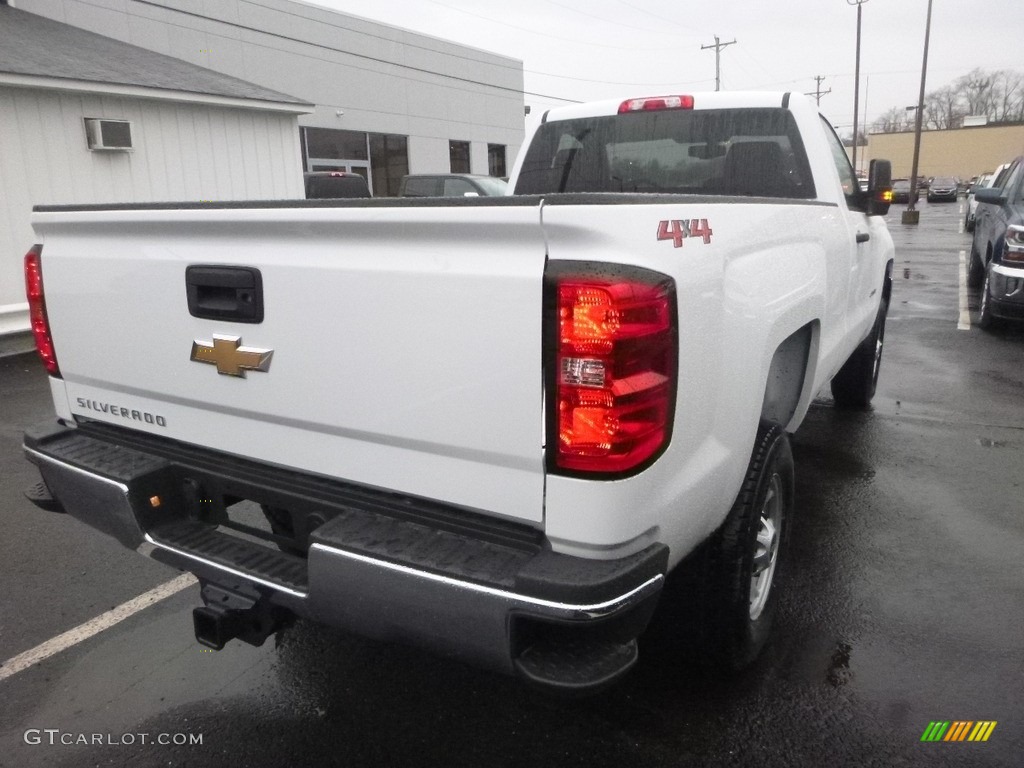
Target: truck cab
997	248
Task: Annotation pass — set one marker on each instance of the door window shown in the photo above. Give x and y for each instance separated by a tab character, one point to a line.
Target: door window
847	178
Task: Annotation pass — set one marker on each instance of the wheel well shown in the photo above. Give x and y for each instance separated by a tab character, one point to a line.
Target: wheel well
786	377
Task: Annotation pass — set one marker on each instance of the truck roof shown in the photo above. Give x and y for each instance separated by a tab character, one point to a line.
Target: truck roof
701	100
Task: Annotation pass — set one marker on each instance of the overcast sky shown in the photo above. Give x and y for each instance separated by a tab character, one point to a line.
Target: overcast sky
590	49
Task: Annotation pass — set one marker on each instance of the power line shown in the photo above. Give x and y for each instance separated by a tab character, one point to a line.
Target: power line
656	16
374	59
475	60
618	23
542	34
365	33
670	84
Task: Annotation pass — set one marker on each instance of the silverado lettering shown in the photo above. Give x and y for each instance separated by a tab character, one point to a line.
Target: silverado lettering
124	413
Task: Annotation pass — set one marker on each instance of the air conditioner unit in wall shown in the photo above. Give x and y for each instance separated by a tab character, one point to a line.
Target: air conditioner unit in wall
108	134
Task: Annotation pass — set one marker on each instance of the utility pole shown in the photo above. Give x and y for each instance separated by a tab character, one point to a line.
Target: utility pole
912	215
718	46
817	93
856	84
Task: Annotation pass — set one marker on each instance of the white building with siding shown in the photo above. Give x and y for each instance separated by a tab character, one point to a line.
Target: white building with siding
387	101
194	134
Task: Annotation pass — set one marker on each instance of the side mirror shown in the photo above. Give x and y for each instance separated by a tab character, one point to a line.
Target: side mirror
879	191
989	195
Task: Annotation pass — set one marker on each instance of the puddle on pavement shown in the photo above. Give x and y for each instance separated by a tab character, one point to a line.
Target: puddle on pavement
986	442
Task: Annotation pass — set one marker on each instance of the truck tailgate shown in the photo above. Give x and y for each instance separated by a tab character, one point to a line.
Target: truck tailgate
406	341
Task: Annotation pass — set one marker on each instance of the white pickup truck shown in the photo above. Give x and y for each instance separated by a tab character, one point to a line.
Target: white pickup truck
499	428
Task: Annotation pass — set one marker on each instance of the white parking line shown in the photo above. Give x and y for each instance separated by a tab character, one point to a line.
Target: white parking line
92	627
964	322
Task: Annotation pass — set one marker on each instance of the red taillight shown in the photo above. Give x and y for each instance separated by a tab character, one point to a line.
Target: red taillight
615	369
653	103
37	309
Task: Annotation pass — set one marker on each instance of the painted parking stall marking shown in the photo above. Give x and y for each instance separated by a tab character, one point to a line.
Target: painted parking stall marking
94	626
964	321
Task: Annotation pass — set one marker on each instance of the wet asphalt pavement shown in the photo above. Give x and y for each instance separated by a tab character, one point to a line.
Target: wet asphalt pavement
903	604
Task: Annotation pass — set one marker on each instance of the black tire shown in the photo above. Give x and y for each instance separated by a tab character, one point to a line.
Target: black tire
855	384
975	268
986	319
744	557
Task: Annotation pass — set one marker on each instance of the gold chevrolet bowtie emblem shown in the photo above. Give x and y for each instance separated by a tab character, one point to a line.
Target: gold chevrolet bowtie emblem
230	357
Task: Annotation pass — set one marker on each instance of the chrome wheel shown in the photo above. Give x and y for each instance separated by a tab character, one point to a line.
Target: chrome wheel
766	547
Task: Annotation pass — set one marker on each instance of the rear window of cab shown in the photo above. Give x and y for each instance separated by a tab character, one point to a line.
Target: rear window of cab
735	152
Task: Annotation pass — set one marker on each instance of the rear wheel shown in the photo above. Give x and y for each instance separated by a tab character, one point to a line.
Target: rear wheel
718	605
744	556
855	384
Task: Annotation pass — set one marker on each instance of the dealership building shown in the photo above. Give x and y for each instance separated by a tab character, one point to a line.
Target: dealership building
265	90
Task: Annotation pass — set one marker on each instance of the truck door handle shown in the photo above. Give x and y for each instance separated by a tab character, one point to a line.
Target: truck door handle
234	294
863	237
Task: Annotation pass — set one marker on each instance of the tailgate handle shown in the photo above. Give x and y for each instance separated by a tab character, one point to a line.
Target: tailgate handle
225	293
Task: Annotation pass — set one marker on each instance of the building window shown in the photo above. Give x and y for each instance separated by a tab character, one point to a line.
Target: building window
389	161
458	153
382	159
496	160
331	143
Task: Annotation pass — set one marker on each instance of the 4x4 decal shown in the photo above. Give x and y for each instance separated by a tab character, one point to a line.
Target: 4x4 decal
678	230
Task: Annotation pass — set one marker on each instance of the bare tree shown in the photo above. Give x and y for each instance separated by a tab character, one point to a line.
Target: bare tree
976	92
1007	97
893	121
942	109
998	95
